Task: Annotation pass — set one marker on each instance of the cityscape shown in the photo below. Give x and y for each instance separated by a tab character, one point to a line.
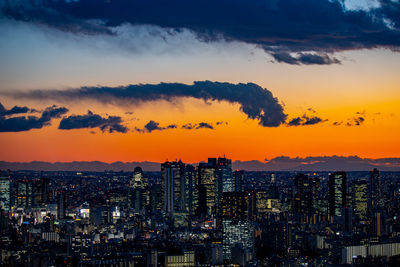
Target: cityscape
199	133
204	215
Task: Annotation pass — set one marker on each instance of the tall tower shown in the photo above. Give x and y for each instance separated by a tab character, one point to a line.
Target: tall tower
337	193
359	199
173	186
139	193
238	177
224	172
210	187
374	191
191	189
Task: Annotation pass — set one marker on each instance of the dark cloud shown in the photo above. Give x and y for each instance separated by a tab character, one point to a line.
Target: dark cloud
14	110
295	121
155	126
305	120
189	126
305	58
26	123
256	102
204	125
91	120
309	28
355	121
221	122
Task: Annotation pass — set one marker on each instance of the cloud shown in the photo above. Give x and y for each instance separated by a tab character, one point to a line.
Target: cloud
91	120
305	58
26	123
256	102
154	126
14	110
356	120
204	125
305	120
322	163
310	29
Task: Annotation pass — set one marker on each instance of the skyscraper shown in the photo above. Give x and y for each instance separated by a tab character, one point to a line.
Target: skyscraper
238	177
374	191
139	193
359	199
337	193
224	172
173	186
209	187
5	193
191	189
302	194
235	205
237	232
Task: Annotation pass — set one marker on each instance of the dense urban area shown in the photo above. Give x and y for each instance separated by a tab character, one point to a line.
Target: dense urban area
205	215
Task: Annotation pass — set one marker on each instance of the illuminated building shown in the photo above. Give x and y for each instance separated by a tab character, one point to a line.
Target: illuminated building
190	192
359	198
23	193
139	195
208	193
238	177
224	173
186	259
173	186
303	194
337	193
261	199
235	205
5	193
237	232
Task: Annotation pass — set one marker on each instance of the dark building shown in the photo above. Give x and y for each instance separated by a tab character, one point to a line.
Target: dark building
374	191
238	177
302	194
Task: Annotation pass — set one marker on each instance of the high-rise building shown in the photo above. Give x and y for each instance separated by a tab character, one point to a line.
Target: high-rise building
359	199
235	205
139	193
173	186
214	177
337	193
5	193
23	193
374	191
208	187
40	191
191	189
302	194
238	177
237	232
224	172
61	205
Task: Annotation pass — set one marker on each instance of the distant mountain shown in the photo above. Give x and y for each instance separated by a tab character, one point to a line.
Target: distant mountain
325	163
79	166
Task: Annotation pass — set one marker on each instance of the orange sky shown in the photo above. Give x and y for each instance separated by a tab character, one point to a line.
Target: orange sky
368	82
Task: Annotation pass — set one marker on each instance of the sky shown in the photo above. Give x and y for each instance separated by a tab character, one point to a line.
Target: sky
136	80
